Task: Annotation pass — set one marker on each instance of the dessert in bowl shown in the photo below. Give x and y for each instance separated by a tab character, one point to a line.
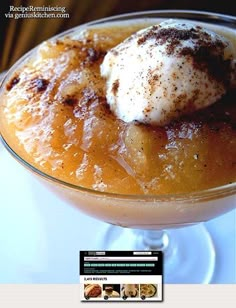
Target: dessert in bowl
67	114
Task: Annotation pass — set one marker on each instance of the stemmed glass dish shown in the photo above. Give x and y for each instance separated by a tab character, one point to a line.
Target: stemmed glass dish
157	221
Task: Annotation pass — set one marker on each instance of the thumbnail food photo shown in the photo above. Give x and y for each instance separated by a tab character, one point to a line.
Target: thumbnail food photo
111	290
92	290
130	290
148	290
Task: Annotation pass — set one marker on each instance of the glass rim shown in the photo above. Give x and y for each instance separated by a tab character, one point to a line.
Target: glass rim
211	193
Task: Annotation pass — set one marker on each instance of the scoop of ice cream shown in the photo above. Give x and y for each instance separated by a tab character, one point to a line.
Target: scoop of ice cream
167	70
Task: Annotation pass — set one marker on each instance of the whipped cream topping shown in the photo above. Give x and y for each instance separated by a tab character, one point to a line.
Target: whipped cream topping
168	70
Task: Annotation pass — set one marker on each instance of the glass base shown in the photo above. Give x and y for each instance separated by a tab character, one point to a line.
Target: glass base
189	253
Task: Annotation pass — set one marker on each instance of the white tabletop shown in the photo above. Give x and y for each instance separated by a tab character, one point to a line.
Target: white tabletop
41	236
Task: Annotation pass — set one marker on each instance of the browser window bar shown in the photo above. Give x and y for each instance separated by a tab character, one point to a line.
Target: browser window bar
120	258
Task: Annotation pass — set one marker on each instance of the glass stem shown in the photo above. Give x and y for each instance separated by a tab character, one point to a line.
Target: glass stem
155	240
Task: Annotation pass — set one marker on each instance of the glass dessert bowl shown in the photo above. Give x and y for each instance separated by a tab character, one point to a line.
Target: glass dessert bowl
149	211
